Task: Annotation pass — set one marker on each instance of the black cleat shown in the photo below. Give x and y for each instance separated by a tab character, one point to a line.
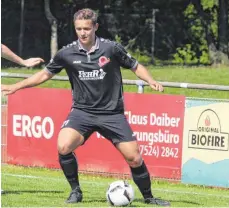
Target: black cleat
75	196
157	201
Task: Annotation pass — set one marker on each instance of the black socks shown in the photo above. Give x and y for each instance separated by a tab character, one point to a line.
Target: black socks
69	166
141	178
140	174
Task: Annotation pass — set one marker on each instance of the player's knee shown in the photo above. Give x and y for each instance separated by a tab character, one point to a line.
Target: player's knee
64	149
134	160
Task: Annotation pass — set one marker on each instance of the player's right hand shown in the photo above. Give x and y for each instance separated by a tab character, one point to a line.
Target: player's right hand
8	89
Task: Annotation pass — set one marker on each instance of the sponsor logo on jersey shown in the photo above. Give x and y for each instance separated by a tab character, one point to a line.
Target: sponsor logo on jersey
103	60
92	75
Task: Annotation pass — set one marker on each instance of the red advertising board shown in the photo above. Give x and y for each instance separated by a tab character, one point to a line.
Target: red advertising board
35	116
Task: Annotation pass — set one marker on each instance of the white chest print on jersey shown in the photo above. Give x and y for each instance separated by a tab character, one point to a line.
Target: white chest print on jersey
93	75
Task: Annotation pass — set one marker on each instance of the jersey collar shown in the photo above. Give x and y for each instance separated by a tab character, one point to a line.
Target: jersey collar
93	48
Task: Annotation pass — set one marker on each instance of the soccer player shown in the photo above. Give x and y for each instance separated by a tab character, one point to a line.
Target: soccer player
11	56
93	66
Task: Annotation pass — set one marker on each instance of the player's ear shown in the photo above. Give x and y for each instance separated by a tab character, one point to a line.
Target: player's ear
96	26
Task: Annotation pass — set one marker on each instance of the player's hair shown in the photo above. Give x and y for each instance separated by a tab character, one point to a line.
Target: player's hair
86	14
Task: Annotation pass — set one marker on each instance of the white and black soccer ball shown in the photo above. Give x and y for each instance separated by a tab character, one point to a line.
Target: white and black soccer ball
120	193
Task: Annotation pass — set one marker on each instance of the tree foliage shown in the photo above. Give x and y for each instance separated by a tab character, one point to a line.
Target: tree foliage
186	31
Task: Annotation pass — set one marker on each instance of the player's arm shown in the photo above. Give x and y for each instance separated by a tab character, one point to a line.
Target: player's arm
32	81
11	56
128	62
143	74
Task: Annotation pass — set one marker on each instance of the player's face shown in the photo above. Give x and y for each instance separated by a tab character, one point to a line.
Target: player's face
85	31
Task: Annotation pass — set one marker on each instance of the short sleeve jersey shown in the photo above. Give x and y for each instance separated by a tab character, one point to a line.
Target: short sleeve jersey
95	76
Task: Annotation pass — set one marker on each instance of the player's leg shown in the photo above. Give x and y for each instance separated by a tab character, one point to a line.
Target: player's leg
140	173
68	140
75	130
117	129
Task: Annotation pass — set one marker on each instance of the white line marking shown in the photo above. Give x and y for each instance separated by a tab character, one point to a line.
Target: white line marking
107	183
50	178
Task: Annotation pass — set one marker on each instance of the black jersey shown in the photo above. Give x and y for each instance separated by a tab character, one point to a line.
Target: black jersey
95	76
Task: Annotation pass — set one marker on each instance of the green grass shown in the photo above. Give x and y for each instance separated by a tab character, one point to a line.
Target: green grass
50	189
199	75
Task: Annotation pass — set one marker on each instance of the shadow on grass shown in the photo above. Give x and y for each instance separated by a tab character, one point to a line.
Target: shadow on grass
185	201
138	200
30	191
171	201
94	200
89	201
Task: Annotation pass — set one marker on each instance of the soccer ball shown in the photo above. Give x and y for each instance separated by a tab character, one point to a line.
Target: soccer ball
120	193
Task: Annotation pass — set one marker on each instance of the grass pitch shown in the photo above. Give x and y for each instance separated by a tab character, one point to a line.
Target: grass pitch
40	187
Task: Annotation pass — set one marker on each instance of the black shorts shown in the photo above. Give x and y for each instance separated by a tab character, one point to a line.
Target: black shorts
113	127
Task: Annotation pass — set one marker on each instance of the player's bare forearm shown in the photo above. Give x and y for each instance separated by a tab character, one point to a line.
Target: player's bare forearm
143	74
9	55
35	79
32	81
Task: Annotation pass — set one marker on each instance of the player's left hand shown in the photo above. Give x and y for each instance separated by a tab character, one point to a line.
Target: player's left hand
32	62
156	86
